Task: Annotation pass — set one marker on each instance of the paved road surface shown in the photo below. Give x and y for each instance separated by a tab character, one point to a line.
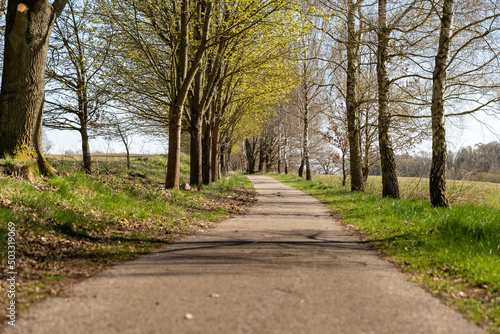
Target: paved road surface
286	267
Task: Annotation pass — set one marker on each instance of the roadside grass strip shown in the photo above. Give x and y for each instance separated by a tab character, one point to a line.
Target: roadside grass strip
73	226
454	253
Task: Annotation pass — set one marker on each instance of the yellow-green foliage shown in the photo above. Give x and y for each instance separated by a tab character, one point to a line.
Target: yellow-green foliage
263	70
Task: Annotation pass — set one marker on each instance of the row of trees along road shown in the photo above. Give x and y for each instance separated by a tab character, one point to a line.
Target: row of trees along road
400	68
429	56
368	77
141	64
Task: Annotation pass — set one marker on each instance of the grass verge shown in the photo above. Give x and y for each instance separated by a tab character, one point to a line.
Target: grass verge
454	253
73	226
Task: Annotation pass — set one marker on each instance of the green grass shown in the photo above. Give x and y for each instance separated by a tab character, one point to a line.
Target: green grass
454	252
72	226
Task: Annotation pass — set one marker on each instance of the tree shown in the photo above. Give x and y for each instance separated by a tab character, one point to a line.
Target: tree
258	70
119	127
483	158
175	43
390	186
386	28
27	32
336	135
76	94
185	70
154	38
353	49
308	98
437	180
251	152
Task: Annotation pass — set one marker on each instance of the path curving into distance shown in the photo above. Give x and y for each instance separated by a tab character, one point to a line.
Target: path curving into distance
285	267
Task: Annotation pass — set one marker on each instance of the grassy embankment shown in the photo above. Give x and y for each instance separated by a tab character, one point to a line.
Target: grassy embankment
72	226
454	253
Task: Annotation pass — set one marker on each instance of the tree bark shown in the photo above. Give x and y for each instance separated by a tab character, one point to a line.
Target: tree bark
128	156
354	133
125	142
279	154
437	180
196	166
207	150
174	146
301	167
250	150
215	150
87	159
223	162
344	172
390	185
196	118
27	33
285	158
307	163
261	155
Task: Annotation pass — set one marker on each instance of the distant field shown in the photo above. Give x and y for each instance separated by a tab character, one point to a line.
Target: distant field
97	156
153	165
459	192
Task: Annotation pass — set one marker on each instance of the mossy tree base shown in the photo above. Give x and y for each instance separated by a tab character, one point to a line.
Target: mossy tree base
45	168
25	162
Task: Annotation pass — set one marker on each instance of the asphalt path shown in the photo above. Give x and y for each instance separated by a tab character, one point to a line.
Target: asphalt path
285	267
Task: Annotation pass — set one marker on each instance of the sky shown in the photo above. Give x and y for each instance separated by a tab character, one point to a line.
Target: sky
468	131
63	141
461	132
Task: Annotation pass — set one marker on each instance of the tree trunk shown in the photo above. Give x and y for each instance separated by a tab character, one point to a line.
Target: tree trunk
27	34
87	159
261	155
285	158
125	143
279	154
195	175
215	150
344	172
366	154
227	158
222	157
437	180
196	118
390	186
269	160
307	163
174	146
250	149
207	151
301	167
128	156
354	133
